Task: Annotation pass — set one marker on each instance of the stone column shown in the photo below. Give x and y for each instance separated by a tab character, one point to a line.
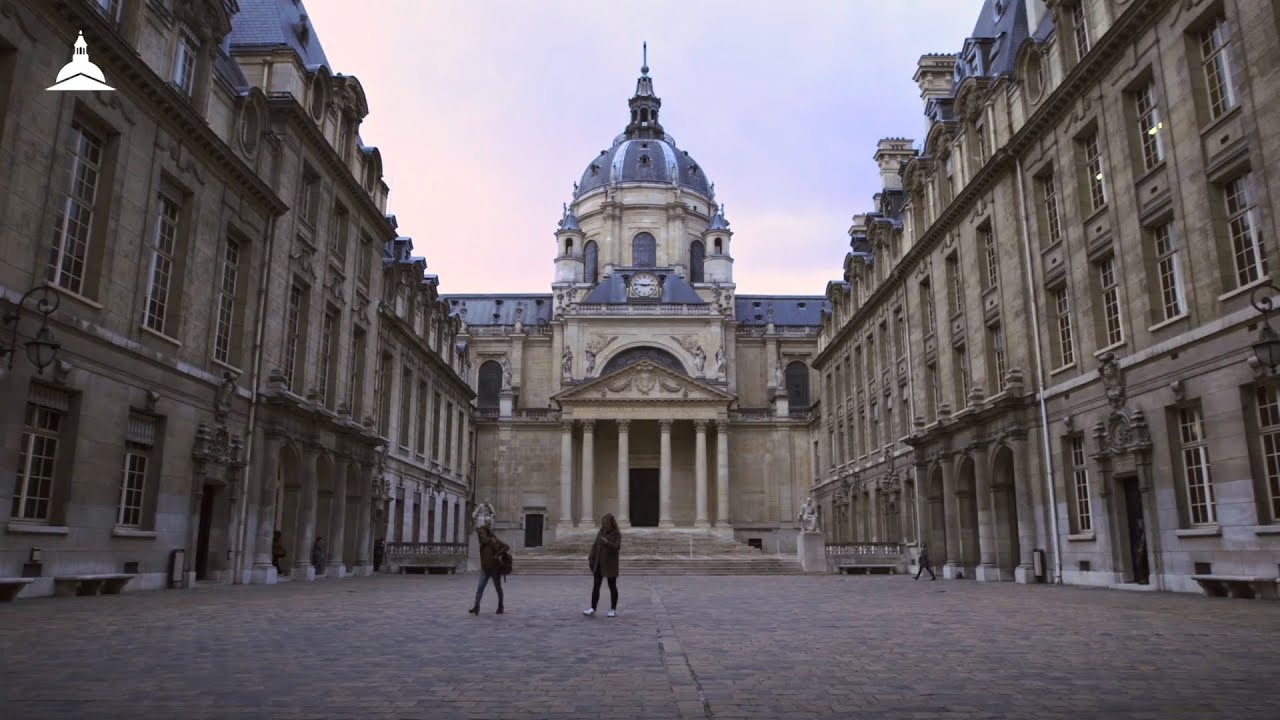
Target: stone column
364	523
338	520
306	530
923	522
450	532
442	453
588	472
664	475
464	462
624	473
954	561
990	530
566	475
263	571
722	474
1026	570
437	533
873	511
193	535
700	473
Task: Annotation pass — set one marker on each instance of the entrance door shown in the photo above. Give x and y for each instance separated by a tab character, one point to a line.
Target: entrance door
206	526
533	530
1137	541
644	497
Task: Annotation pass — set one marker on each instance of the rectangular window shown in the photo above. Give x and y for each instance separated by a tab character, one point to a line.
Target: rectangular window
364	263
1219	75
1246	245
1268	402
338	233
955	290
1093	168
999	361
355	386
904	411
1080	485
1065	345
875	425
960	368
309	200
1113	331
184	63
225	329
383	394
420	447
435	423
38	455
992	260
293	336
899	334
1080	29
406	400
1195	465
927	309
110	8
1052	214
980	137
1149	125
1168	271
445	458
163	252
457	443
933	390
73	227
140	441
328	380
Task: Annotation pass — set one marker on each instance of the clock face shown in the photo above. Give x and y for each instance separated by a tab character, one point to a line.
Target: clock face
644	285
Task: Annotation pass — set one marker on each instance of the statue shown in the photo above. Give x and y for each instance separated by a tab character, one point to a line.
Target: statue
566	362
484	514
506	373
222	401
699	359
779	379
591	361
721	362
809	516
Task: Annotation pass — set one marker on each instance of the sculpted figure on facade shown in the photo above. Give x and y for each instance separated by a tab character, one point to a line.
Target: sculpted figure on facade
809	516
506	373
779	376
222	401
699	359
566	363
721	362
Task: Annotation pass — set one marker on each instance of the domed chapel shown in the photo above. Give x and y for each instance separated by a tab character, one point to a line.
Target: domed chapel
643	384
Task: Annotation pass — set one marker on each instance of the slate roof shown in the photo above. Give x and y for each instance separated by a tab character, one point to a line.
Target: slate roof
500	309
787	309
612	289
273	23
992	47
645	160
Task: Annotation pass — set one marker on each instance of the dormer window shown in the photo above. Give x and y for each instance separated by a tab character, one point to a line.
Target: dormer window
644	160
184	63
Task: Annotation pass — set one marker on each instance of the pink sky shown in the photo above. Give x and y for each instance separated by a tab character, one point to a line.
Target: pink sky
487	112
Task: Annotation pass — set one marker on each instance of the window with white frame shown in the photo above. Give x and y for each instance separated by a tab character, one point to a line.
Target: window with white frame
1080	29
955	287
228	279
960	367
292	335
1052	213
110	8
1109	289
928	312
406	402
1267	398
140	442
355	385
46	413
164	249
420	446
999	361
1150	126
73	226
933	390
874	415
899	334
991	259
904	411
1168	271
1093	168
364	264
1083	514
1219	73
327	381
309	196
1247	252
1065	346
1196	477
184	63
338	234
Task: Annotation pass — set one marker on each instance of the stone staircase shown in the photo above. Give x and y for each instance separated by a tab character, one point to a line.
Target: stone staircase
650	551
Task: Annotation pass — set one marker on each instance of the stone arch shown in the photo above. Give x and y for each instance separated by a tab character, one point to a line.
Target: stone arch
489	384
936	517
797	379
289	482
644	250
1004	505
324	487
632	354
967	503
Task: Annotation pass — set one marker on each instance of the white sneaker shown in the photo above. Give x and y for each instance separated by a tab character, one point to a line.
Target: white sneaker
613	613
589	612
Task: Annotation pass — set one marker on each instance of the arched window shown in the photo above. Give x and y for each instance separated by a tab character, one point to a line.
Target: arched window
490	384
719	246
797	385
591	261
568	246
657	356
644	250
696	253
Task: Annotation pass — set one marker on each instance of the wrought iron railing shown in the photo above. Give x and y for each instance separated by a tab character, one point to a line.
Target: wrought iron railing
862	549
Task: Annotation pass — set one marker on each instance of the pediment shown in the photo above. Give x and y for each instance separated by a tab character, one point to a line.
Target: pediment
643	382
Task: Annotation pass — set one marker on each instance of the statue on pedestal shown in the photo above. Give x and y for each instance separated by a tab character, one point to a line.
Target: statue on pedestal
484	514
721	362
506	373
809	516
699	359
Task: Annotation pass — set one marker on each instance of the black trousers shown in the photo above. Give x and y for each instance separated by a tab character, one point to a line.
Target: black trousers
613	592
926	566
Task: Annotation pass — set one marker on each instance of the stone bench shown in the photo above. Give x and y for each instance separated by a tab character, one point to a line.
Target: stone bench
1238	586
10	587
432	568
88	585
865	568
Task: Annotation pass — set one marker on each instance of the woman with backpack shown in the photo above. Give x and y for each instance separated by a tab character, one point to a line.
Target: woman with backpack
604	564
490	568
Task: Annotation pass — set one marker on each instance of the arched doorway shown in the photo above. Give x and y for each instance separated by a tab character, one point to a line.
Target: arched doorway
351	533
288	495
1004	504
967	502
937	519
631	356
490	384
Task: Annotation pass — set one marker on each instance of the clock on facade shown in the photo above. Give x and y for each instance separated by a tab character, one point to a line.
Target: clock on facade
644	285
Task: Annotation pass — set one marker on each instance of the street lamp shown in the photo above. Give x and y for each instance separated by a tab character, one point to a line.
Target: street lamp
42	350
1267	348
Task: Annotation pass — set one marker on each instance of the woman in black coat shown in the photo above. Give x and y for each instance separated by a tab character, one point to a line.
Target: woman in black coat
604	564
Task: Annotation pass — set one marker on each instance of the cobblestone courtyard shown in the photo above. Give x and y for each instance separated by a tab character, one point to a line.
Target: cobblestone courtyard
723	647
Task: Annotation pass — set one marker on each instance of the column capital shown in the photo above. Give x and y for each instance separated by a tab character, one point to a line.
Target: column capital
665	425
722	425
566	425
700	425
588	425
624	425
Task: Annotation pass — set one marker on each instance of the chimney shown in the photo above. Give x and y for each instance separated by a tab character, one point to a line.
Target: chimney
935	74
891	153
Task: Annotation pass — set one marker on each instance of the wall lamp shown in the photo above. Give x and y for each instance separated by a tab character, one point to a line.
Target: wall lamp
42	350
1267	348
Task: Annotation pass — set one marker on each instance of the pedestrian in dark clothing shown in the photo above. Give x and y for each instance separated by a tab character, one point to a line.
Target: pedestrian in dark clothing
923	560
379	548
490	569
603	562
277	550
318	555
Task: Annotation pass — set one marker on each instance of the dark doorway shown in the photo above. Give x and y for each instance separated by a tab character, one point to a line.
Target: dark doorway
206	526
644	497
1137	526
533	530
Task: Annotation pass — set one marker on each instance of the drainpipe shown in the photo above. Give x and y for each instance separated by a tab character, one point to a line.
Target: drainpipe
1044	411
254	379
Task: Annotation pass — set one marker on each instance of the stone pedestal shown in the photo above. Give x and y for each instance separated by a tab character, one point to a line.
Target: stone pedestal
812	548
991	573
506	403
952	571
305	573
335	570
473	553
263	575
781	404
362	570
1025	574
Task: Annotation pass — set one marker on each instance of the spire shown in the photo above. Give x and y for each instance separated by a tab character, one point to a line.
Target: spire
644	104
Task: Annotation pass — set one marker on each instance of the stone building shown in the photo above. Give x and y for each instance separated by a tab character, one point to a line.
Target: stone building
214	236
1064	272
643	384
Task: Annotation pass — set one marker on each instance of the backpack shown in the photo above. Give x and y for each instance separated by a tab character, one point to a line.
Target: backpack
504	562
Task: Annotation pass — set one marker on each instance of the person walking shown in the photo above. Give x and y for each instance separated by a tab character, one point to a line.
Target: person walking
318	555
603	562
277	551
923	560
490	548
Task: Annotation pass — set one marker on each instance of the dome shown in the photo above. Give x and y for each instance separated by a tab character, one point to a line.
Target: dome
650	160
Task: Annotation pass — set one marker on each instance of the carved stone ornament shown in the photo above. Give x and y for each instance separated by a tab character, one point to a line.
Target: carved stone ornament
222	401
1112	379
217	446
